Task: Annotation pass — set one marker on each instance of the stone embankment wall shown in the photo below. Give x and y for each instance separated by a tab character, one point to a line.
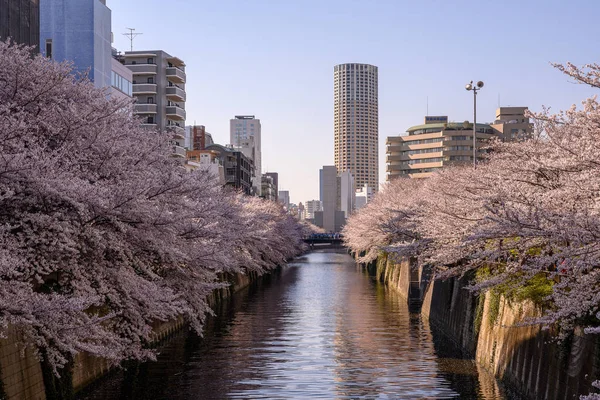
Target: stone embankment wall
21	375
490	329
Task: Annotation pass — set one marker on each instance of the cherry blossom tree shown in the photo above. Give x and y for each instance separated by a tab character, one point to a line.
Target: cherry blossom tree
530	210
102	232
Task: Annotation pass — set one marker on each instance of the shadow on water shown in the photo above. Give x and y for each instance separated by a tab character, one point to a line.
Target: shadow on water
316	328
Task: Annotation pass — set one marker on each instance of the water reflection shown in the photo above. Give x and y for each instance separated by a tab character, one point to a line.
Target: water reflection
317	329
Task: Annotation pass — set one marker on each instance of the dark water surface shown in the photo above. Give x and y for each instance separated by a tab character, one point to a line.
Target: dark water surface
320	328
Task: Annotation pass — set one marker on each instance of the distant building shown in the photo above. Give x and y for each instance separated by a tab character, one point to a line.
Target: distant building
511	124
78	31
20	21
245	135
207	160
238	168
301	211
311	207
275	177
159	88
346	192
196	137
363	196
268	189
332	218
438	143
284	198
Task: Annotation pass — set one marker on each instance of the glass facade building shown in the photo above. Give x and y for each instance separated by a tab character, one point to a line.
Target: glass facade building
20	20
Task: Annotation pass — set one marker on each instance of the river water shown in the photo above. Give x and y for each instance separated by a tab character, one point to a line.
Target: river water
319	328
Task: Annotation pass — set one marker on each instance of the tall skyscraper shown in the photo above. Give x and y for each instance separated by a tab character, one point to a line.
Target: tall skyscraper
20	20
244	134
356	122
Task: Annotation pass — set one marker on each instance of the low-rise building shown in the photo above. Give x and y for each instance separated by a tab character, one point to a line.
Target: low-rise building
238	168
207	160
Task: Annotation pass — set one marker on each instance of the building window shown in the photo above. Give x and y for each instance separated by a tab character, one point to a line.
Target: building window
150	100
151	61
49	48
151	80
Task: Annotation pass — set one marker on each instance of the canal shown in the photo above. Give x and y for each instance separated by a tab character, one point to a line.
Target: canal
318	328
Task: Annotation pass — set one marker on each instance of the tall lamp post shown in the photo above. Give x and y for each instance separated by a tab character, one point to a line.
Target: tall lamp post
474	88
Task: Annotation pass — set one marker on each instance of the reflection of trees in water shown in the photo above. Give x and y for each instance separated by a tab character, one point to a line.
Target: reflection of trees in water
316	328
383	349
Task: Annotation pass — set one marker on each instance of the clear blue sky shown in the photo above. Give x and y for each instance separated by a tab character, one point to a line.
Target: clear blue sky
274	59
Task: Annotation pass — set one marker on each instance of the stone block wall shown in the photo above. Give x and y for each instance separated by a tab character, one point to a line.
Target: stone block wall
20	370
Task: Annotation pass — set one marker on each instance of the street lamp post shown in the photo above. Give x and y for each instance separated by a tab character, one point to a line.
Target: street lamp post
474	88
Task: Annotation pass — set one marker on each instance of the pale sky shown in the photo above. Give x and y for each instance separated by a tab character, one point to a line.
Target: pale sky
275	59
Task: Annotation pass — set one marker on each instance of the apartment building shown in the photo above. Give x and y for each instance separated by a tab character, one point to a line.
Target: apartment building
159	89
312	206
356	122
268	188
512	124
275	177
238	168
438	143
206	160
20	21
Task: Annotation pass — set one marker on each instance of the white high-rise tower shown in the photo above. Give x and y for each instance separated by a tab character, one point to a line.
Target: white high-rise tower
356	122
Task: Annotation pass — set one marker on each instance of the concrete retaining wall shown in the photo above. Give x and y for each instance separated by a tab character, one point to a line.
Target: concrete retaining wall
21	372
525	357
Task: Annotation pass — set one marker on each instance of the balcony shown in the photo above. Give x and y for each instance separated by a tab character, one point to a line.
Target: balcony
177	131
174	112
144	88
142	69
145	108
175	94
176	75
148	125
179	151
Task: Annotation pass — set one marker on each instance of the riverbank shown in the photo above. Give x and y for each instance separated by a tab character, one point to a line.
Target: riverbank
23	377
489	328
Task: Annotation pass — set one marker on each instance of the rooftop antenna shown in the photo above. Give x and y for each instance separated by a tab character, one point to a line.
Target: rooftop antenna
498	100
132	35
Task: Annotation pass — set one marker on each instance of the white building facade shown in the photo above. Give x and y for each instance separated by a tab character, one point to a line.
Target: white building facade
245	136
